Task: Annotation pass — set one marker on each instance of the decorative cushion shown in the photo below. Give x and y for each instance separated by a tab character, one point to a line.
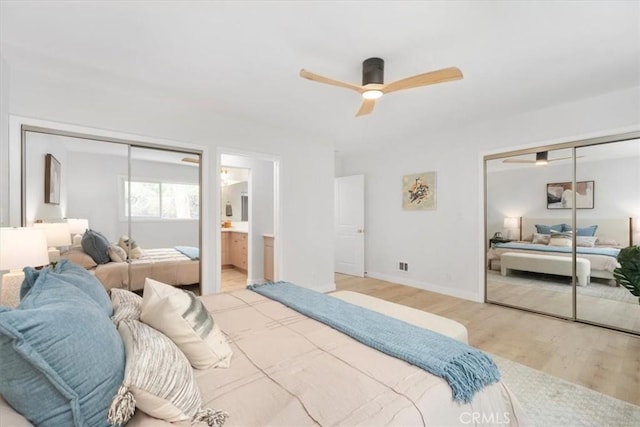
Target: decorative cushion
181	316
130	247
606	241
116	253
126	305
62	358
96	245
75	275
80	257
586	241
561	239
547	229
541	238
584	231
158	380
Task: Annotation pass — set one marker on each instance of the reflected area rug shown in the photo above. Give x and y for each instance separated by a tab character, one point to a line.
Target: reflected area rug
550	401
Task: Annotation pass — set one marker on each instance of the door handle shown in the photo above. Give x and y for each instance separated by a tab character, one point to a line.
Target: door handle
360	230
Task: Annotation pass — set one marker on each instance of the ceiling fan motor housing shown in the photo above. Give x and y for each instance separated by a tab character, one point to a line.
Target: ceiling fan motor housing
373	71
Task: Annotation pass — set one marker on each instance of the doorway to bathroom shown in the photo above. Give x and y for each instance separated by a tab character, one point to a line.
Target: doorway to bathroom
247	218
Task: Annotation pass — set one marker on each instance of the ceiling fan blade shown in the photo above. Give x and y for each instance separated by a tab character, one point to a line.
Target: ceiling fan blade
366	107
517	161
564	158
321	79
433	77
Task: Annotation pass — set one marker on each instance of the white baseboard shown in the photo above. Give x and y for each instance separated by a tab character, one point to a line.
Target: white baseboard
471	296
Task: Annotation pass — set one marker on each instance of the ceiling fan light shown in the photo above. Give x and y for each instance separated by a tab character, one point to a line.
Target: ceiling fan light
372	94
541	158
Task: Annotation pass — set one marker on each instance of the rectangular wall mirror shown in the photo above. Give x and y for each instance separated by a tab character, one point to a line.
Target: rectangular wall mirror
556	219
144	201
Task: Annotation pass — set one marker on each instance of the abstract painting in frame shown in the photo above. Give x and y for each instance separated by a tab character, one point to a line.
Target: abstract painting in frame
560	195
419	191
51	180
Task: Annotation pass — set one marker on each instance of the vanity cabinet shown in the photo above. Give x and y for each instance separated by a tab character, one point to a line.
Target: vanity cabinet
268	258
238	250
224	250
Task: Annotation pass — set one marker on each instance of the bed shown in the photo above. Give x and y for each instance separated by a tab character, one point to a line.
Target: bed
167	265
611	235
290	370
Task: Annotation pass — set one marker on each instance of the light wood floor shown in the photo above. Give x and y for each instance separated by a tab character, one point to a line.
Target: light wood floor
600	359
232	280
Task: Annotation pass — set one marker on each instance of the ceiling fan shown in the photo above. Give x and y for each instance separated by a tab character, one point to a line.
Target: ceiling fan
542	159
373	86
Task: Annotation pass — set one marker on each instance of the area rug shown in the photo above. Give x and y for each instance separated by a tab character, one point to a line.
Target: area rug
550	401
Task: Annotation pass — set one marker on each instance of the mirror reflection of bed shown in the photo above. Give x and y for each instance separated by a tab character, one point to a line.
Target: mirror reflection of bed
148	195
524	269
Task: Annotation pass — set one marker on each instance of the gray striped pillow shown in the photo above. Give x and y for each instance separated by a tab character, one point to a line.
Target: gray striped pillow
126	305
158	380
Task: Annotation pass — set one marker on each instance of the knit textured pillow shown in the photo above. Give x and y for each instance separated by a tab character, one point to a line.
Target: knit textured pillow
158	380
181	316
126	305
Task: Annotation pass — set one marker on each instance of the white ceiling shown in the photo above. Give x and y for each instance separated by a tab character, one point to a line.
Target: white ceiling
242	58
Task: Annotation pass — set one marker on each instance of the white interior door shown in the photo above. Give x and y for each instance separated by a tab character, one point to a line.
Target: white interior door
349	225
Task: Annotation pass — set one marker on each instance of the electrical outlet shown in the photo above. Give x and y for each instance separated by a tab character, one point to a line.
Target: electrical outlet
403	266
406	266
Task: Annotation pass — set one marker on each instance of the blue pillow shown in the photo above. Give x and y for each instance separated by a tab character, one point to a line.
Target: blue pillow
62	357
75	275
589	231
547	229
96	245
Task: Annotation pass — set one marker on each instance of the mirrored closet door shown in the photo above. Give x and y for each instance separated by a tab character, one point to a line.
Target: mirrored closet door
557	218
143	201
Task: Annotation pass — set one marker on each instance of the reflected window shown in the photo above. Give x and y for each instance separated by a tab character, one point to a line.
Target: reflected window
160	200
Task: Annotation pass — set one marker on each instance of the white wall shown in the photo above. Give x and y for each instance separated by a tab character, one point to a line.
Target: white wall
306	164
444	248
4	141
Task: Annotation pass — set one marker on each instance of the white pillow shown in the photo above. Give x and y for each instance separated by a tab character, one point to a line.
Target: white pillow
116	253
561	239
586	241
126	305
541	238
181	316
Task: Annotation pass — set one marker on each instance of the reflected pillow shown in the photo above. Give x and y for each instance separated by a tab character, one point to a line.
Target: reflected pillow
80	257
541	238
96	245
586	241
548	229
116	253
606	241
560	239
584	231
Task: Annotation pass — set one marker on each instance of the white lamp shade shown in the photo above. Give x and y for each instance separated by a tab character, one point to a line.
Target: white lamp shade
57	233
22	247
77	225
510	223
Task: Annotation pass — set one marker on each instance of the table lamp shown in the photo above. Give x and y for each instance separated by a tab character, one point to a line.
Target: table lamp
77	227
19	248
510	224
57	234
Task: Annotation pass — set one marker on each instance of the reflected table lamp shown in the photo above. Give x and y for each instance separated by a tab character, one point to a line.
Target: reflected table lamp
77	227
19	248
57	234
511	224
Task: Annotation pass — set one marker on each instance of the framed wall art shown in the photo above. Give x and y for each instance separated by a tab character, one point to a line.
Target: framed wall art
51	180
419	191
560	195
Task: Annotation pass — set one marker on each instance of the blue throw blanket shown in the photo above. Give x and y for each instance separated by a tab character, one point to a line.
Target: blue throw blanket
190	251
466	369
612	252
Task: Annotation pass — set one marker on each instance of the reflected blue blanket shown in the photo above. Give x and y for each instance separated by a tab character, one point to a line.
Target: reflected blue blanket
612	252
190	251
466	369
